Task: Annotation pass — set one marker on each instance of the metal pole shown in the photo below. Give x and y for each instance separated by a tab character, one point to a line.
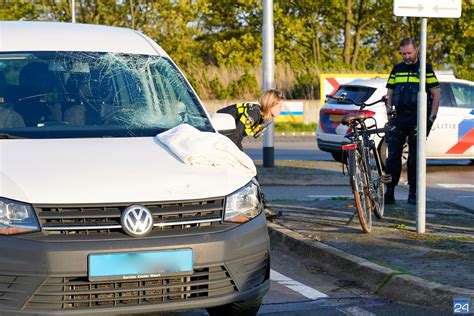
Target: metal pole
73	11
268	64
421	139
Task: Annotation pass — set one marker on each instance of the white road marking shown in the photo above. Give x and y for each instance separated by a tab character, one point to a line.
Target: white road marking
328	196
296	286
465	196
456	185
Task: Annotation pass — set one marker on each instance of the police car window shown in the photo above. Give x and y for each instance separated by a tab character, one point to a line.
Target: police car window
445	95
356	93
463	95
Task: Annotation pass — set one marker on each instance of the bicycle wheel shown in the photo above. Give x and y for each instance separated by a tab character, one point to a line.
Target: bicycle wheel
375	177
360	189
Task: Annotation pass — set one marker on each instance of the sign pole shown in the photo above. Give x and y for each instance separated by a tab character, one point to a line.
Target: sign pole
421	136
424	9
268	79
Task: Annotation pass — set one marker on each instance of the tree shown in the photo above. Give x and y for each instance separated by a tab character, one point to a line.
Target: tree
232	32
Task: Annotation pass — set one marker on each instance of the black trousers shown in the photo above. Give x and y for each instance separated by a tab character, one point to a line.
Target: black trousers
395	141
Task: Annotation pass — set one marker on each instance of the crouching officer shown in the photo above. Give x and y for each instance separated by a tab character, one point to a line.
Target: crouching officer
252	118
403	87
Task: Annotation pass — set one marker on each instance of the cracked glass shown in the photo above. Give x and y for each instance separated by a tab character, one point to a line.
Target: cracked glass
87	94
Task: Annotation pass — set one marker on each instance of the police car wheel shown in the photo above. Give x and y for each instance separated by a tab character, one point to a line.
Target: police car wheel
337	156
383	153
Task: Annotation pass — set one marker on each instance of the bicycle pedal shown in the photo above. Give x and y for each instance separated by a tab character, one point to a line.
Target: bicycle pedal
386	178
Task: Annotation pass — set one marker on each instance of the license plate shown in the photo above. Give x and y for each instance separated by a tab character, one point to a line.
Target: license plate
139	265
335	118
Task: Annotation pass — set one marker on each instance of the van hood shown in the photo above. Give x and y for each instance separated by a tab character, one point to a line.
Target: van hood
106	170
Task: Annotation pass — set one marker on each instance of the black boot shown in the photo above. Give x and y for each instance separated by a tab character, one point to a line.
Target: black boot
412	195
389	197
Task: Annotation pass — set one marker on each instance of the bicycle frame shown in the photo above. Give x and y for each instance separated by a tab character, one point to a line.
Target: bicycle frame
364	165
360	140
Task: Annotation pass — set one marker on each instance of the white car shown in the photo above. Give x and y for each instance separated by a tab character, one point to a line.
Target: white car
97	216
452	135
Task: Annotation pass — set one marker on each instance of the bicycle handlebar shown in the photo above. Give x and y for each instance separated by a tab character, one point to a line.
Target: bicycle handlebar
360	104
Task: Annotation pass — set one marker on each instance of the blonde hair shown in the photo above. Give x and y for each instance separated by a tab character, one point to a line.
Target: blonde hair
268	100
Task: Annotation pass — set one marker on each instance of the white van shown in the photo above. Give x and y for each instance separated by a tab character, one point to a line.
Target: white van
98	216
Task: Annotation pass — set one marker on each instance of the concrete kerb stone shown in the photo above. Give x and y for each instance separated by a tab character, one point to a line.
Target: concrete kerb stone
331	259
378	279
412	289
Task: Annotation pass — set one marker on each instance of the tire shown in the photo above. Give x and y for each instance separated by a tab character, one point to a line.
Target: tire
337	156
249	308
383	153
375	169
360	189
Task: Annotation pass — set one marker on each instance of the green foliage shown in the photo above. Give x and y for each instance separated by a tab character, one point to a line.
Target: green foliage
217	89
295	127
245	85
306	85
218	43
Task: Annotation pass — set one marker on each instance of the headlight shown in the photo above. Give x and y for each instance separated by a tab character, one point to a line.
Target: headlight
244	204
17	218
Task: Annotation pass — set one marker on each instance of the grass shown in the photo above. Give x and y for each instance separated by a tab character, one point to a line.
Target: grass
398	270
295	127
283	200
339	198
436	238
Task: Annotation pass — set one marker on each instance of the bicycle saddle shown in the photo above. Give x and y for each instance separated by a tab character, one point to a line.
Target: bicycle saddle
346	119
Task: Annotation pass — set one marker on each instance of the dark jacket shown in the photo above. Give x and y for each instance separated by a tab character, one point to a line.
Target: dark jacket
404	80
248	120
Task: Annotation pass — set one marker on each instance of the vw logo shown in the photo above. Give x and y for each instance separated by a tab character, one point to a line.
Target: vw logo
137	221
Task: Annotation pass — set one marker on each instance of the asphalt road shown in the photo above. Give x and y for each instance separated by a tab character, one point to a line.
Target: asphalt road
291	148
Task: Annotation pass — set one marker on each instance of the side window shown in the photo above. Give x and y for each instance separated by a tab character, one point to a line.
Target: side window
446	95
463	95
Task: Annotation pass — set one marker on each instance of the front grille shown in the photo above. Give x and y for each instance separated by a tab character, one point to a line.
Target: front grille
105	219
80	293
6	282
15	290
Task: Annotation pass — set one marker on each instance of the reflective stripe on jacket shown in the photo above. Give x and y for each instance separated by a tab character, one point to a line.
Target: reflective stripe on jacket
404	80
247	115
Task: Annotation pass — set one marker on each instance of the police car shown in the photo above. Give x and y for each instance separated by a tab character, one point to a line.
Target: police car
452	135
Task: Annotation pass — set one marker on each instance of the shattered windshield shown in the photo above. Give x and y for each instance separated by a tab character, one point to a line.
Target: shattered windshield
84	94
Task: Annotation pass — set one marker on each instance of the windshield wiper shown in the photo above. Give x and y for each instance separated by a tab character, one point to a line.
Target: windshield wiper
9	136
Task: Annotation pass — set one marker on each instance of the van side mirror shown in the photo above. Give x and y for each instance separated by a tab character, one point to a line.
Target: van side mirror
223	123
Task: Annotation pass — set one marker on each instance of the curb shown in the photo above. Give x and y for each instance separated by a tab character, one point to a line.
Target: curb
379	280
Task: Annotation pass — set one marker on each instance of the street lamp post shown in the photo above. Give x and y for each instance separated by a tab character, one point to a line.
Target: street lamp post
268	64
73	11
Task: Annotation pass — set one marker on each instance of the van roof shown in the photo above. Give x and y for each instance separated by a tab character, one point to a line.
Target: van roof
57	36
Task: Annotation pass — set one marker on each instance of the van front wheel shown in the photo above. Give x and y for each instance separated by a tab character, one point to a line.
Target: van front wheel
249	308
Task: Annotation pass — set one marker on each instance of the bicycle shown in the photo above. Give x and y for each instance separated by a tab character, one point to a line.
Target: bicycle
363	162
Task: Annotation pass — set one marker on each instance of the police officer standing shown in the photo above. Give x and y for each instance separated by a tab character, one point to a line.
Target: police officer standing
403	87
251	118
